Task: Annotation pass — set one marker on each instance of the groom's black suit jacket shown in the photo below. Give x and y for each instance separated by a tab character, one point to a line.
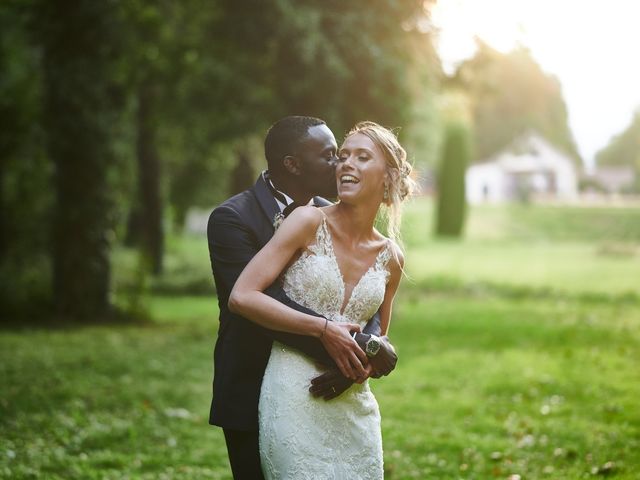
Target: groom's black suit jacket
237	230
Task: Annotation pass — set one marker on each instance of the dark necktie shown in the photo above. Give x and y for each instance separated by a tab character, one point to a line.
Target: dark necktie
280	197
290	208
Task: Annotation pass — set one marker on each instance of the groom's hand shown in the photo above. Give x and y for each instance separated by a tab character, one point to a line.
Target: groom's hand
329	385
384	362
332	383
344	350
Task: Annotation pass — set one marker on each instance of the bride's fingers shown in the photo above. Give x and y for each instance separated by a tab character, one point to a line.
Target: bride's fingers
361	356
345	368
358	367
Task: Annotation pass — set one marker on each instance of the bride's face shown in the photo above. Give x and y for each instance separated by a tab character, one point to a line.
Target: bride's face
361	170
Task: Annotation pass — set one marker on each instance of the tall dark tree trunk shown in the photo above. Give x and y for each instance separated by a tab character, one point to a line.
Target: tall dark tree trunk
148	211
3	212
134	224
78	112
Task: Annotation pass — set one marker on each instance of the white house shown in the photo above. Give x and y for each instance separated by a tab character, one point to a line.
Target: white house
528	166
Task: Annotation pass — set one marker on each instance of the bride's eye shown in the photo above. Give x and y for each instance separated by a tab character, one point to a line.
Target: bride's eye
342	157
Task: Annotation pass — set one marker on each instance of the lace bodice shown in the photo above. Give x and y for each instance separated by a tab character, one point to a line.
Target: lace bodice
302	437
314	280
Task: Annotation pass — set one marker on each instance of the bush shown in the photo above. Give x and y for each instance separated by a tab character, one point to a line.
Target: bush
451	208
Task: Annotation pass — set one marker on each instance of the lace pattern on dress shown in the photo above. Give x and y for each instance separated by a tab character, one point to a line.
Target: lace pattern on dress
315	281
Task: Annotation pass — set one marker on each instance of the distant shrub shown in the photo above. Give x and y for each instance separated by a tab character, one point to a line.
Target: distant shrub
456	154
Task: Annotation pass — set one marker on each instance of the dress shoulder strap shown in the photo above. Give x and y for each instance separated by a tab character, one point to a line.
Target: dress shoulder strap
385	254
323	238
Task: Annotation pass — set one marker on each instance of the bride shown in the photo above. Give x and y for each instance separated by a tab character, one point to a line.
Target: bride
336	263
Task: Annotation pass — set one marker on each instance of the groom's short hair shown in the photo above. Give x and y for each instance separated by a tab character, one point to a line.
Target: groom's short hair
284	136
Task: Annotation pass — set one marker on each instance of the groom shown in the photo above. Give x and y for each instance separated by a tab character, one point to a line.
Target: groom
301	157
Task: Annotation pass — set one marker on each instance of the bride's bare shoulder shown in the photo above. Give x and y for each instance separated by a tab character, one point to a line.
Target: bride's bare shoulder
306	216
302	222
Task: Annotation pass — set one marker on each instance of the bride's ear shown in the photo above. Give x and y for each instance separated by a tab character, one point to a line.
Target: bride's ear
292	164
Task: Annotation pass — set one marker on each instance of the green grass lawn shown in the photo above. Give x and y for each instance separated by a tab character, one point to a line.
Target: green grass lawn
518	351
488	388
485	387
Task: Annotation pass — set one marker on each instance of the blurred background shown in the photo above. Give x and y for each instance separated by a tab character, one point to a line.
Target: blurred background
124	122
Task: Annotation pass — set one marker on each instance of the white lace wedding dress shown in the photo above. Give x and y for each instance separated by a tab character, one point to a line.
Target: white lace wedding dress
302	437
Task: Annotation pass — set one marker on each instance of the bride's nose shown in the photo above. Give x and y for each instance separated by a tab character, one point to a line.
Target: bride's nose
346	162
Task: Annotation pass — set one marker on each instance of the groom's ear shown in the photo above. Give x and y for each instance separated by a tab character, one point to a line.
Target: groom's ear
292	165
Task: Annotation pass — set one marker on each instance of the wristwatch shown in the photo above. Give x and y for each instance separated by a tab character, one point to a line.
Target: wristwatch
372	346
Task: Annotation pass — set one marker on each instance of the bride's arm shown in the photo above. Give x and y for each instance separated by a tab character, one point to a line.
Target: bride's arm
247	297
395	274
248	300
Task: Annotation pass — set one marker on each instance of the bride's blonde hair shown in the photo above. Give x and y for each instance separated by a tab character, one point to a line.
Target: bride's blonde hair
400	185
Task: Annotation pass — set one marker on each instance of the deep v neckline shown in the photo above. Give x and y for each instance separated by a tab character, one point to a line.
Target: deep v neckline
347	301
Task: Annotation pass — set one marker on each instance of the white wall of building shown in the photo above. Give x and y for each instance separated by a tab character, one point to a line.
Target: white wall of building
531	163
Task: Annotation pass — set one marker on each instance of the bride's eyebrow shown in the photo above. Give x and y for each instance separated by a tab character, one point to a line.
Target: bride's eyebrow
357	150
365	150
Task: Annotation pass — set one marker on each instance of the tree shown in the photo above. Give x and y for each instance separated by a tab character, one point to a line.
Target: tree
511	95
178	90
624	148
259	60
79	109
25	172
451	205
149	65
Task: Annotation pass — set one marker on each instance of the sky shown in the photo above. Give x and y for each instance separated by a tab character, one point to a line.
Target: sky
592	47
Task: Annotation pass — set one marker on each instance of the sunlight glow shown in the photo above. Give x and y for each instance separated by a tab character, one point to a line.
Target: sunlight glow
591	46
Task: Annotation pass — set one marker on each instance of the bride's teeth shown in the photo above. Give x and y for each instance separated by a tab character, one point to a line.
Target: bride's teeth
348	179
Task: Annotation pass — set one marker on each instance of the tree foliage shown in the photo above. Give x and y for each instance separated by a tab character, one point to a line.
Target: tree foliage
624	148
25	172
126	108
511	95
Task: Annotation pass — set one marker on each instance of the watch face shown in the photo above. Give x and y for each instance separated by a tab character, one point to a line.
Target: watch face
373	345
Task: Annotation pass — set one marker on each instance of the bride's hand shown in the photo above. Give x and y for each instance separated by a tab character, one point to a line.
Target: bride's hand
344	350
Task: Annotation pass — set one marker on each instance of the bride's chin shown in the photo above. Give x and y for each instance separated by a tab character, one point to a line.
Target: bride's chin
348	198
352	199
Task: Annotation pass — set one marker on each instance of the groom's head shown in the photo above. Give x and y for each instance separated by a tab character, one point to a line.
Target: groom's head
301	155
